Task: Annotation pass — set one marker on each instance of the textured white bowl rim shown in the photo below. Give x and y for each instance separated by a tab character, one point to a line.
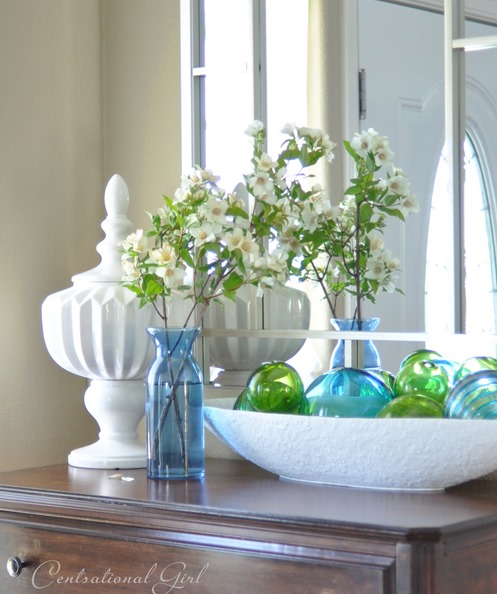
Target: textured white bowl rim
389	454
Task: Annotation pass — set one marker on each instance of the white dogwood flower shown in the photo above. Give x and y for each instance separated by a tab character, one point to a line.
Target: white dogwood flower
130	270
310	217
214	211
398	184
255	128
172	277
392	263
375	268
163	256
234	238
248	246
136	242
376	243
261	183
265	163
409	204
364	142
383	156
203	233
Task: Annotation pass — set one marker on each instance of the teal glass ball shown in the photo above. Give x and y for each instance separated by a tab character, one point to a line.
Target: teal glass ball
347	392
386	377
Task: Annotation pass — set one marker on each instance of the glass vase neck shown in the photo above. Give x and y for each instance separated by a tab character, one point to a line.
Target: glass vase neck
370	358
366	324
175	339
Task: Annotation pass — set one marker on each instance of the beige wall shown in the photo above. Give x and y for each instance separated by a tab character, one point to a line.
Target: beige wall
88	88
142	99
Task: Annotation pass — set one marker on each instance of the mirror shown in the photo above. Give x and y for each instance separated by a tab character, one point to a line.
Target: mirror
413	115
413	109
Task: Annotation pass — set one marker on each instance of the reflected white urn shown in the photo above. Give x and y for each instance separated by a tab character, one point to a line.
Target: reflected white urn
96	329
281	308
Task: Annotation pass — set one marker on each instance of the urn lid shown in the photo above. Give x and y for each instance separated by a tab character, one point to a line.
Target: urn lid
116	227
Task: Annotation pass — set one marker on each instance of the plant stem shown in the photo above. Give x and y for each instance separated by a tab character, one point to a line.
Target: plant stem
172	400
358	312
322	283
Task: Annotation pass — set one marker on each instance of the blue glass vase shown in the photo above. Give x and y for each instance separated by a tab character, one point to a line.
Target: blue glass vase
174	407
371	355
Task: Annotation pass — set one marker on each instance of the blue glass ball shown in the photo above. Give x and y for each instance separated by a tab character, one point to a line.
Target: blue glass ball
473	397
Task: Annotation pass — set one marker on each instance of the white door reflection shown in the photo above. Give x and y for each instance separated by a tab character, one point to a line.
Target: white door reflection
479	255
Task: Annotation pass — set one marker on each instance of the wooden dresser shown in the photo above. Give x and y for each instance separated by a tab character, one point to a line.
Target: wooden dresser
240	531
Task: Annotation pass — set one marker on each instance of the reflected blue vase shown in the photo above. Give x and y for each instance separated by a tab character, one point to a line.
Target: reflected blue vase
371	355
174	407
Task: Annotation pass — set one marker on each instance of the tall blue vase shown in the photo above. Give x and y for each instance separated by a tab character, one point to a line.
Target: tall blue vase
371	355
174	407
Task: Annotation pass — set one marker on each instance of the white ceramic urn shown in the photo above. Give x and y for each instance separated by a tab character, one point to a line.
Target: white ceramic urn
95	329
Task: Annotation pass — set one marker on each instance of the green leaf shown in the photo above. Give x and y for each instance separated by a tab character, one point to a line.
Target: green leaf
231	295
351	151
134	288
290	154
152	287
186	256
304	156
233	282
211	246
393	212
238	256
235	211
353	190
168	201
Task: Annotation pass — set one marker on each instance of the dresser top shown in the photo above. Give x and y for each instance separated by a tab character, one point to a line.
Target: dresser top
234	489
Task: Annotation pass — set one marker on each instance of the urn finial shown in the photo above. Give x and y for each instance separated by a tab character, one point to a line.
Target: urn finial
116	227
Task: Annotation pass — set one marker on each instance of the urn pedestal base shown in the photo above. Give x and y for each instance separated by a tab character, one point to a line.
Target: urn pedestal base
118	407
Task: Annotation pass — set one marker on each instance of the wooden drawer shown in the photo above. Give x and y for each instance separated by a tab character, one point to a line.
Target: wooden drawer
63	562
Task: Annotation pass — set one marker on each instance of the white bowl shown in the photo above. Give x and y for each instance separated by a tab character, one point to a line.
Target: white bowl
400	454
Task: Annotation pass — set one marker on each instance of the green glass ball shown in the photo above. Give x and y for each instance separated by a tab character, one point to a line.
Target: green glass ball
411	406
474	364
423	377
420	355
276	387
242	402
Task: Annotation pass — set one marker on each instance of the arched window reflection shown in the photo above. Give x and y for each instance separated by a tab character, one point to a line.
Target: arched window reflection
480	254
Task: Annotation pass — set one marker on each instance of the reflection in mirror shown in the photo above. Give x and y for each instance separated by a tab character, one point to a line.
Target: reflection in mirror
236	89
406	103
479	290
470	306
227	97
